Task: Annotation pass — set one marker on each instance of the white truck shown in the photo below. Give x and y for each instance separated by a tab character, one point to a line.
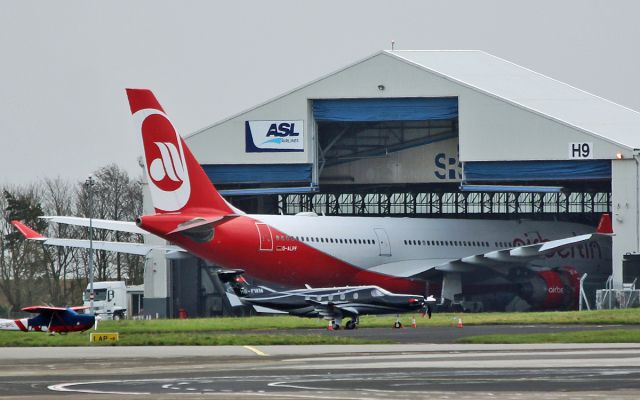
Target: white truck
110	301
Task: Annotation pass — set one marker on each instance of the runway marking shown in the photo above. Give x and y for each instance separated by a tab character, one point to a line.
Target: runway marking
65	387
253	349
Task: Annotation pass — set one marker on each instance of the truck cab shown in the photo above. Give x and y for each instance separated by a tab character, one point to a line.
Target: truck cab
110	301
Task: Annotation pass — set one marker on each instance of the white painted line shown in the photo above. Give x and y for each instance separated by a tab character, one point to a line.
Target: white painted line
258	352
65	387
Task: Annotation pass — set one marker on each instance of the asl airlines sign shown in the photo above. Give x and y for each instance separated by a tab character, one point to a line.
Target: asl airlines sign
274	136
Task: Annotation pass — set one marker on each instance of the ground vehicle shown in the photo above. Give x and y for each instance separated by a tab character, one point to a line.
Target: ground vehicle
110	301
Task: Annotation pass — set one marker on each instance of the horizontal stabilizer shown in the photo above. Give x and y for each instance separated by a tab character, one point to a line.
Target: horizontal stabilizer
121	226
140	249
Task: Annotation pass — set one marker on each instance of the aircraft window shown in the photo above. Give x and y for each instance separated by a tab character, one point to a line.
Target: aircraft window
319	298
342	296
355	296
359	241
405	242
331	240
330	297
376	293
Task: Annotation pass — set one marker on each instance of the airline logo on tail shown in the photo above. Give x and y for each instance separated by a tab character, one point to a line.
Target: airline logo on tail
166	164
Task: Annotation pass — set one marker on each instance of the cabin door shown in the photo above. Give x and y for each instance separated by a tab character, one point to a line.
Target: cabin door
266	240
383	241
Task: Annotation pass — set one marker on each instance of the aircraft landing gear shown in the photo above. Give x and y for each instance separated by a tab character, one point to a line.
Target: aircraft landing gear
397	324
352	323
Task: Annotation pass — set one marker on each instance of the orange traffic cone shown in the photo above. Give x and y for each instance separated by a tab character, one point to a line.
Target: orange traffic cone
459	322
413	322
330	327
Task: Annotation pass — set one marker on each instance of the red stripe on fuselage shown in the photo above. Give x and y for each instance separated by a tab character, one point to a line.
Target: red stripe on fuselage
21	325
236	244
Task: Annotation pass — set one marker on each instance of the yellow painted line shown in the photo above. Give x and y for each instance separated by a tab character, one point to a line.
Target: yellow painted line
258	352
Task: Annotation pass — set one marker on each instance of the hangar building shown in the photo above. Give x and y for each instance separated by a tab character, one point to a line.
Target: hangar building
456	134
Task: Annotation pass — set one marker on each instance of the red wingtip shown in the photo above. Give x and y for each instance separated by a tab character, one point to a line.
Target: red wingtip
140	99
605	225
26	231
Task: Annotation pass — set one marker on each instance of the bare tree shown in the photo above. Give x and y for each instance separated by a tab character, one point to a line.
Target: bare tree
115	197
58	200
20	260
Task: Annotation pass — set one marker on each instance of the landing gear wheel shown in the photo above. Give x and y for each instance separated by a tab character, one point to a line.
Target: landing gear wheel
397	325
351	324
336	327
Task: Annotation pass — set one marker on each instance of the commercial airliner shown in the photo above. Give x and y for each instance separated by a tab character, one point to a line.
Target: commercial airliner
538	262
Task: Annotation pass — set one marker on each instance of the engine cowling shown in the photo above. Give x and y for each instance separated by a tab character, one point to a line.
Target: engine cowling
557	289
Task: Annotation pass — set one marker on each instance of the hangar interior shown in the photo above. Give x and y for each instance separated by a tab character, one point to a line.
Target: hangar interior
453	134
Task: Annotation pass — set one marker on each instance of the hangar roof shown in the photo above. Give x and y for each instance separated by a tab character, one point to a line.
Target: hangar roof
528	89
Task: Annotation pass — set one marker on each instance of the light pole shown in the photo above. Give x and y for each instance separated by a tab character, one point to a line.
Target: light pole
89	185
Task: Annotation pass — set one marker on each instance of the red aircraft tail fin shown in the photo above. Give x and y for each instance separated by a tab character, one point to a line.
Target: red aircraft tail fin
176	179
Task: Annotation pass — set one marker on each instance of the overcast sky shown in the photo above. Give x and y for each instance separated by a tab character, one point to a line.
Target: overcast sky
64	65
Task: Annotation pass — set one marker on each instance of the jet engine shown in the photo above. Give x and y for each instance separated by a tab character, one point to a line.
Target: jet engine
557	289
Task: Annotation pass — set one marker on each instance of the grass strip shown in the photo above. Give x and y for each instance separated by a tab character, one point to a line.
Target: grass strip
21	339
